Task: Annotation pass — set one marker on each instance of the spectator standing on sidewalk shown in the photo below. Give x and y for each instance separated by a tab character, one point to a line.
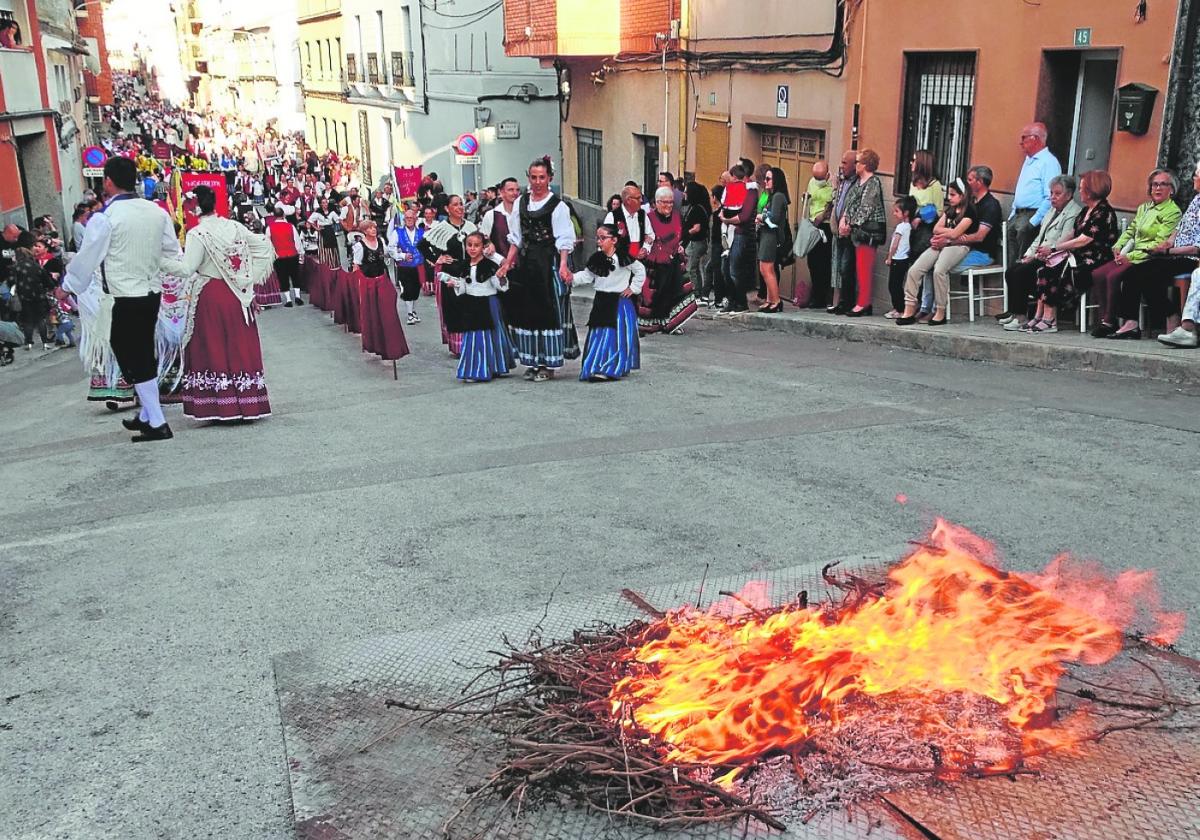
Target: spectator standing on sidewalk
819	195
740	268
695	237
1031	199
843	247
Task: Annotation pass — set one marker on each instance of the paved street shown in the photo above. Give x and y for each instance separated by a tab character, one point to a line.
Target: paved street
144	589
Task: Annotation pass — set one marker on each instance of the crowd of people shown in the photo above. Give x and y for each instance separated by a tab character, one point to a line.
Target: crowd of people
1065	248
158	322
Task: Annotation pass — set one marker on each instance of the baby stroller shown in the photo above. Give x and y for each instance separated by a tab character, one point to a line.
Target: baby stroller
10	338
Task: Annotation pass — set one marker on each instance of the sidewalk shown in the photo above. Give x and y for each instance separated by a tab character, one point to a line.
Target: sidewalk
983	341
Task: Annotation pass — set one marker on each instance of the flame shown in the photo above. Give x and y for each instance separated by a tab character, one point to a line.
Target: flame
728	685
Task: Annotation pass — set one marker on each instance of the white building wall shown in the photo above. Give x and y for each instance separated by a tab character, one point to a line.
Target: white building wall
458	58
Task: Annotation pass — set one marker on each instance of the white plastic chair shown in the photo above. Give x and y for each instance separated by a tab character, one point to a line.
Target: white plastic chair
979	275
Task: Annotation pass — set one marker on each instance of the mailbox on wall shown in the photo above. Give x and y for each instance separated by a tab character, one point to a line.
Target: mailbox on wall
1135	105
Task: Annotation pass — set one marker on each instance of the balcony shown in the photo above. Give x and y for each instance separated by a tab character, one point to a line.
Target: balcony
92	86
402	69
19	81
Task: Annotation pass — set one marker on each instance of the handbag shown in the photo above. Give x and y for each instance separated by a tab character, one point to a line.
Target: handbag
783	248
807	234
872	233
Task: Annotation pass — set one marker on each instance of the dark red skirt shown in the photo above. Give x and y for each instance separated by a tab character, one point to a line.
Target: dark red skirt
381	330
222	364
318	285
345	300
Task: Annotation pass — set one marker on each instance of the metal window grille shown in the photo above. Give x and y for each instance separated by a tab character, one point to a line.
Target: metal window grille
939	100
589	144
351	67
373	68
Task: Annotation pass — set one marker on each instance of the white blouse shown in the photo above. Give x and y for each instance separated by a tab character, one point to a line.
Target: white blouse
631	276
560	224
485	289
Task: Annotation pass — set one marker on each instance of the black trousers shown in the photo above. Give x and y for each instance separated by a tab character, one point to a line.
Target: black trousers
1022	286
134	320
287	271
820	268
846	271
1152	279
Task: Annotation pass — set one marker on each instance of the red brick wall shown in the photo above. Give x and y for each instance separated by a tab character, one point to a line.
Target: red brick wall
531	28
93	27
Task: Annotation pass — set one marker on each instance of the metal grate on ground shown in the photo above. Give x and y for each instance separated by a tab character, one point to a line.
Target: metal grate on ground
361	770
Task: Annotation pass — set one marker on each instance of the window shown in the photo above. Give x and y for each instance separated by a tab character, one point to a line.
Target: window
382	46
320	61
588	145
649	166
373	68
308	60
939	99
351	67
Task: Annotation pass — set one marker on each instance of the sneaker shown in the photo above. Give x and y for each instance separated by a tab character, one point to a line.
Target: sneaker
299	302
1005	317
49	345
1179	337
288	305
412	319
892	315
1017	325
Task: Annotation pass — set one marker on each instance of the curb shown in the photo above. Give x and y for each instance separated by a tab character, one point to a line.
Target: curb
1070	352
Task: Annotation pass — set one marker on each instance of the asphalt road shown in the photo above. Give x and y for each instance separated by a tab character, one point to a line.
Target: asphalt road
144	589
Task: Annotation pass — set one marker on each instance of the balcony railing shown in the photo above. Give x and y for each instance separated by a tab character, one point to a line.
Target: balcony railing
402	63
19	81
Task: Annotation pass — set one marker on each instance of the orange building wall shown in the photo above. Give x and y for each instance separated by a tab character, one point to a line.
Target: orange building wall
1008	37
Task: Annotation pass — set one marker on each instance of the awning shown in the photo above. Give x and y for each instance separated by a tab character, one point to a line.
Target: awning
53	42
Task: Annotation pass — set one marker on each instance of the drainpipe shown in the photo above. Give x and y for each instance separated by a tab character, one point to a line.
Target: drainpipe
684	33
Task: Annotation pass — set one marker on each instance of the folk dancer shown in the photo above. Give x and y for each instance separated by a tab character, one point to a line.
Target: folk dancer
485	349
612	349
289	254
541	229
667	303
124	245
222	358
443	245
405	252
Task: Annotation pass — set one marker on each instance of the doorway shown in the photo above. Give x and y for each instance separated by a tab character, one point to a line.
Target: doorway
1076	96
794	151
649	144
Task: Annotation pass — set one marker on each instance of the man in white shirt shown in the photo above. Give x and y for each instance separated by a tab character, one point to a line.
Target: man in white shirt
125	244
636	235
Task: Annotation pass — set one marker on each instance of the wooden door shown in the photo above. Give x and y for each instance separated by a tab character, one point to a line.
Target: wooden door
794	151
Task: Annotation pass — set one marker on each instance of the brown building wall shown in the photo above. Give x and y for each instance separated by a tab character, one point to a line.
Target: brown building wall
1009	40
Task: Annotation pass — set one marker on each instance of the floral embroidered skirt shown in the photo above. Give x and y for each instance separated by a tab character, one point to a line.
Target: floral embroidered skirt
222	363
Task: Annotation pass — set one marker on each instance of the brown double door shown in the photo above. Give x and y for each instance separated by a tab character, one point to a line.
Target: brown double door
793	150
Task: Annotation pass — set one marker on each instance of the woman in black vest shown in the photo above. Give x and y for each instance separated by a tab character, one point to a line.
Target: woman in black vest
542	229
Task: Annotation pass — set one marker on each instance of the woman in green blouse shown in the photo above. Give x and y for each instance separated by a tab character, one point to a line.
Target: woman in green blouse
1154	221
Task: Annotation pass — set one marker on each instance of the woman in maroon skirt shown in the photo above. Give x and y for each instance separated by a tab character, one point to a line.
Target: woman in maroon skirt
222	359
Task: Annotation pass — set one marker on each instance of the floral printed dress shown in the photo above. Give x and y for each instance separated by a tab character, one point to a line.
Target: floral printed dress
1061	284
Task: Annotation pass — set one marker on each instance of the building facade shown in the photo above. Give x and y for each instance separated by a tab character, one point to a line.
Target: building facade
687	87
327	117
418	76
963	83
253	60
43	112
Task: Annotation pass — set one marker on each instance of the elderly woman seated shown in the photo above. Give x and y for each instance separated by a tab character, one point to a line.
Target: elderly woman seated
1021	278
1153	223
1153	279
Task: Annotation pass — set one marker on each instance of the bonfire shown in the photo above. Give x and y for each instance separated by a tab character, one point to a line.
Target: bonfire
943	669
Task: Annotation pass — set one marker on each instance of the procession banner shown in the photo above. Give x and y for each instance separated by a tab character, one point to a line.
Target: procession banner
215	180
408	181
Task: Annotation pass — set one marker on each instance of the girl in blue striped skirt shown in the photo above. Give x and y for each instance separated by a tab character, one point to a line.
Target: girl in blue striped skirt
486	351
612	349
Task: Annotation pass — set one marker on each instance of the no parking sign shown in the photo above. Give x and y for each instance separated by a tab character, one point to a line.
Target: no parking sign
781	101
94	159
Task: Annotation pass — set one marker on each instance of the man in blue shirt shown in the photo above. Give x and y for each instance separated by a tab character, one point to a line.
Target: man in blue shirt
1031	199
